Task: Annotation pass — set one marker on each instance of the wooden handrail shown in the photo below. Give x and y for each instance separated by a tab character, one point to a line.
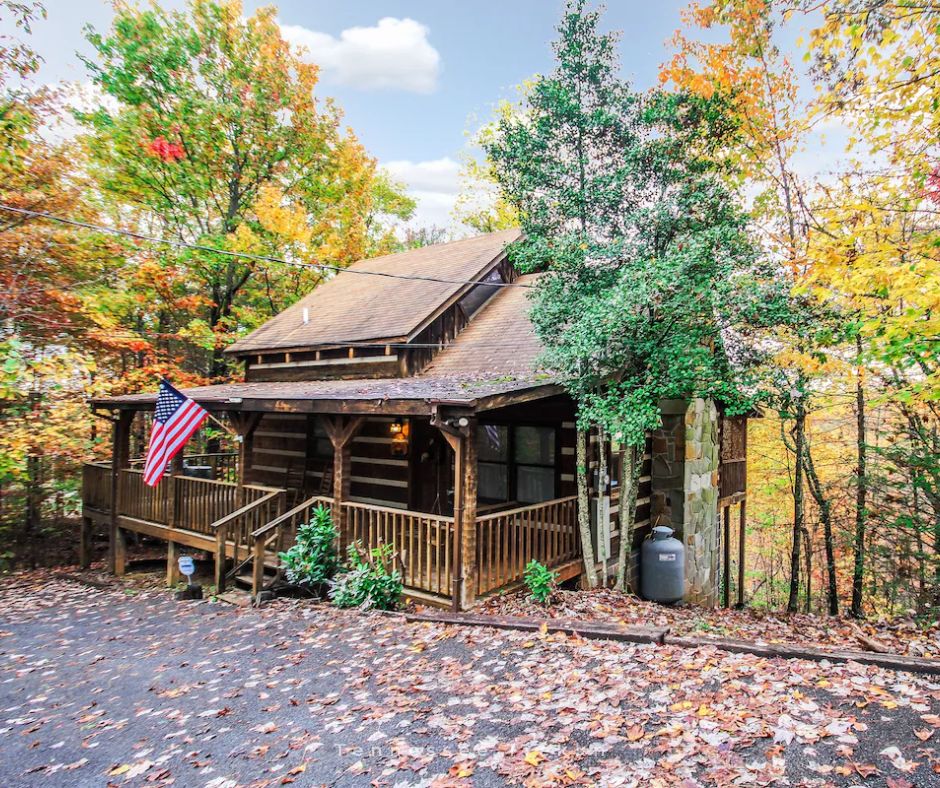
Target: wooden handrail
244	509
524	509
264	529
196	480
392	510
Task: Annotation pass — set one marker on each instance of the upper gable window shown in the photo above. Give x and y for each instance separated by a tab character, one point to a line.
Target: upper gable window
480	294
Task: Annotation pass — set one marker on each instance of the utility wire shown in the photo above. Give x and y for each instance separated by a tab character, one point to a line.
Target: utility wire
245	255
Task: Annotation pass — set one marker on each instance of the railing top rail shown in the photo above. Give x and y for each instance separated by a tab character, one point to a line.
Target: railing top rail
243	510
211	482
97	464
392	510
522	509
288	514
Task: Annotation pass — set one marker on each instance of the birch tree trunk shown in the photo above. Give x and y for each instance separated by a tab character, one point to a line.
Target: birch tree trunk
584	512
629	484
825	515
861	491
603	555
799	429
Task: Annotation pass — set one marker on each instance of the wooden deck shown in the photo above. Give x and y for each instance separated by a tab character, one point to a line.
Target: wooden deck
246	527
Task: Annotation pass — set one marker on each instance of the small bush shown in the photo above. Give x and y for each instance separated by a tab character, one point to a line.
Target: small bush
540	581
312	561
368	581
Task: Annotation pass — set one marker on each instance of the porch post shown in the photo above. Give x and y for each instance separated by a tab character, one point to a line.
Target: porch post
341	431
173	491
120	458
172	565
465	570
84	544
245	425
468	535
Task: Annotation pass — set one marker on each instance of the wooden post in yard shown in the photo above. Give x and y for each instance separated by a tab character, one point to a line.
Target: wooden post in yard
742	523
173	507
84	543
120	458
172	564
341	430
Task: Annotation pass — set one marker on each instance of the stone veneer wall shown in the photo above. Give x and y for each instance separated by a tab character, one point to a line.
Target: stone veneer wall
685	456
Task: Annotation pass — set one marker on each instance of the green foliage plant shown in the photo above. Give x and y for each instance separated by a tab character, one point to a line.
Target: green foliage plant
312	560
540	581
368	580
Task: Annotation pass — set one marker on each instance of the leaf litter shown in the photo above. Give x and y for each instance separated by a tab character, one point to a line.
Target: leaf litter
99	687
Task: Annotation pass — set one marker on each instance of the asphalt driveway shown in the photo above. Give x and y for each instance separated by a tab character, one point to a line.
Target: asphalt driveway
113	687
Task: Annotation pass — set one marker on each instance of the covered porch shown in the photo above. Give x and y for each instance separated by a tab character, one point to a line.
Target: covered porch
468	487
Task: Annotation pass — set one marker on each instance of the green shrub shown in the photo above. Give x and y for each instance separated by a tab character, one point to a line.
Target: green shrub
368	581
540	581
312	561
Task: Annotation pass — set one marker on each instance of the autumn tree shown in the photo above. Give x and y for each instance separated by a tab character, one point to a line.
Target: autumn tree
218	138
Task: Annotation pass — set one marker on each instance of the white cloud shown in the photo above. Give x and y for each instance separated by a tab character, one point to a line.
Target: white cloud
394	54
433	184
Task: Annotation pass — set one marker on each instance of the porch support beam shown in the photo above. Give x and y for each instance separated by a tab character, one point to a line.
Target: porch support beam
341	430
462	441
120	459
245	424
84	544
172	564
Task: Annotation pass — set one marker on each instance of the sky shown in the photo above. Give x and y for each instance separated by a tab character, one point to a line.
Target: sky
413	76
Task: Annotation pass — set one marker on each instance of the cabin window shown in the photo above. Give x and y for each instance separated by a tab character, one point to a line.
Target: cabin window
322	446
516	463
493	463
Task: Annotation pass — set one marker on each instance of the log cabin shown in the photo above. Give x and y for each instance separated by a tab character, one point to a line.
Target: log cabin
405	394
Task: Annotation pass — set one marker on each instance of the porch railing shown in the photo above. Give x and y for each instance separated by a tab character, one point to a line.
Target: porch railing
96	485
425	542
223	465
506	541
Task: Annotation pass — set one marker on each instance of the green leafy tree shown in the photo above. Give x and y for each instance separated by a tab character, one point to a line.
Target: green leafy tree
649	269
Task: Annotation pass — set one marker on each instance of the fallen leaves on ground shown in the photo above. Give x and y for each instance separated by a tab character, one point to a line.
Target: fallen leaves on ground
101	687
900	636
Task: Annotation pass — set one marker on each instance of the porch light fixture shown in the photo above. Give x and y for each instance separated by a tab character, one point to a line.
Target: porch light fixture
396	428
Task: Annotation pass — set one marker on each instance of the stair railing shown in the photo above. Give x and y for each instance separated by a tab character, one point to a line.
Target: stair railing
234	533
272	538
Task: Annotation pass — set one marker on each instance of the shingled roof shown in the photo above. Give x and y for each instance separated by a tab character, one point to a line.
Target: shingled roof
353	307
495	355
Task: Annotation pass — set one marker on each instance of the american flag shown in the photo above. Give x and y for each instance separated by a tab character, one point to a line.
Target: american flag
176	418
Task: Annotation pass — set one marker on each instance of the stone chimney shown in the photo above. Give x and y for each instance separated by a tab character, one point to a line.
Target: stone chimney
685	457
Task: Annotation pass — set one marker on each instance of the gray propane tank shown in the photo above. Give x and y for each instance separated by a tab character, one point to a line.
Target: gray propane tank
662	567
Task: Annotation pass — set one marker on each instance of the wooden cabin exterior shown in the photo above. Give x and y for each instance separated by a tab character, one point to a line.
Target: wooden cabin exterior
403	393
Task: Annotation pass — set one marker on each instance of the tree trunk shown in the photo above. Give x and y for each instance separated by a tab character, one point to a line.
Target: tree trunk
630	469
808	552
603	556
799	429
584	512
861	492
825	515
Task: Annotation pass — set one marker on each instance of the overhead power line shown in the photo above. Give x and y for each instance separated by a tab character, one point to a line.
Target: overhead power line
260	258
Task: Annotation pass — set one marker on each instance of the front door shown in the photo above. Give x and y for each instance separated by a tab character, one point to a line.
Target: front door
432	470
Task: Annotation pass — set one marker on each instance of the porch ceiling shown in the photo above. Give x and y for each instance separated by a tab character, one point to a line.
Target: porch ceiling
396	396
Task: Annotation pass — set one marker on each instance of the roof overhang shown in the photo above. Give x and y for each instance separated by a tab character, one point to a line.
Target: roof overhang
279	398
